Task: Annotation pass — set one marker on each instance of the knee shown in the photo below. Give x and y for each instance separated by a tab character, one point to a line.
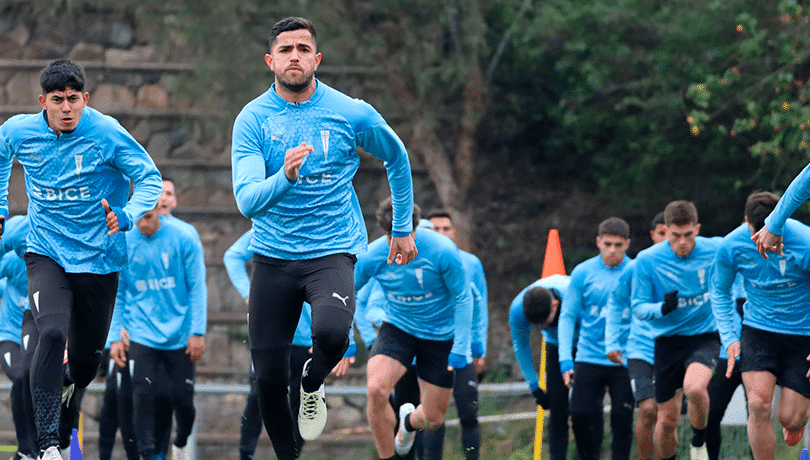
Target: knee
793	420
667	422
758	407
433	419
647	414
377	393
331	338
52	336
468	413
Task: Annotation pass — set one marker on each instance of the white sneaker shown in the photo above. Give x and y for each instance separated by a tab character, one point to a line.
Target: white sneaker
404	440
52	453
311	411
698	453
180	453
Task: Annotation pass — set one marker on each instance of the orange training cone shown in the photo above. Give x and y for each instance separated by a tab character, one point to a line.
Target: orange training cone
553	262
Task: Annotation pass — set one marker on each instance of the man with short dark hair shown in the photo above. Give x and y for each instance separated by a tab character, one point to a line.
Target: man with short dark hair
294	154
774	341
671	292
585	302
429	317
465	386
537	308
78	165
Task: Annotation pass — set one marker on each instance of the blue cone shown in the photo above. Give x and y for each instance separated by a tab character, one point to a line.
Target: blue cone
76	450
805	455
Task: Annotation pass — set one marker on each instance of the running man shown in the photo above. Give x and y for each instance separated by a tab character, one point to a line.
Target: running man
769	237
585	301
294	155
671	292
78	167
429	317
774	343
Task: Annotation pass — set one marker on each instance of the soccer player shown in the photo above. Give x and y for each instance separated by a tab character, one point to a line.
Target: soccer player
465	383
671	291
537	307
162	303
775	338
429	317
307	221
585	301
78	167
769	237
235	259
628	337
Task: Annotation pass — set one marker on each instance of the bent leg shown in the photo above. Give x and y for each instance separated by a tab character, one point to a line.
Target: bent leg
759	387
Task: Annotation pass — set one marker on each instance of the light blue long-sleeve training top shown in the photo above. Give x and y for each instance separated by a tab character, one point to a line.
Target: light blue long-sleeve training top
15	297
162	295
428	298
67	175
585	301
235	259
797	193
475	270
521	327
624	331
659	270
777	290
319	213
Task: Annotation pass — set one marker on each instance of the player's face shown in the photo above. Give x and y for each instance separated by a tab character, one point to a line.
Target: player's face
149	223
612	249
294	59
167	200
682	238
659	234
444	226
64	108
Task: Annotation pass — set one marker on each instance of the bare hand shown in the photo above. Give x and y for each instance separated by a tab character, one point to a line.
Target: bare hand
479	364
403	250
294	159
767	241
616	356
118	354
568	378
343	366
196	347
125	339
733	351
112	219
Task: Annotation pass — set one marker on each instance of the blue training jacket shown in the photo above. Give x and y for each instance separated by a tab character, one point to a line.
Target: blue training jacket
318	214
66	176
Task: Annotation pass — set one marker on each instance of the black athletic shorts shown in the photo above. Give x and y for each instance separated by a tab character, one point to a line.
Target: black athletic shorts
642	379
783	355
431	355
674	353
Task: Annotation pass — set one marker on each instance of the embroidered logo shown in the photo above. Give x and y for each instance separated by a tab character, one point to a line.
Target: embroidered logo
78	159
702	277
782	266
342	299
165	257
325	142
420	277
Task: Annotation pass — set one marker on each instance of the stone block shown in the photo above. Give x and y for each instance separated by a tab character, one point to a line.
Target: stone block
84	51
23	89
152	96
10	49
120	35
18	35
117	56
107	97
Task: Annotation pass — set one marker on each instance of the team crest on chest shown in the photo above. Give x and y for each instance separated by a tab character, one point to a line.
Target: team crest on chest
782	266
420	277
325	142
702	277
165	257
78	159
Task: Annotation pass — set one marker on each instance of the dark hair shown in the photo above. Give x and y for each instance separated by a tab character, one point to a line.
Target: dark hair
658	220
758	206
681	212
60	75
614	226
385	215
438	213
288	24
537	304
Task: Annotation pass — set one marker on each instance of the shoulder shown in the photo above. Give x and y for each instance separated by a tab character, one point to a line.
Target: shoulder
23	125
357	112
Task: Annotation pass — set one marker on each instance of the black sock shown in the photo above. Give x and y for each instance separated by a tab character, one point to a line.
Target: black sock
699	438
671	458
407	424
389	458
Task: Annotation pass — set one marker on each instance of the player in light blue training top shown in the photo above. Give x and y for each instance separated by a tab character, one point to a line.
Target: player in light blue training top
78	166
429	317
235	259
294	155
465	383
629	338
537	308
671	292
769	237
162	303
591	372
774	342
